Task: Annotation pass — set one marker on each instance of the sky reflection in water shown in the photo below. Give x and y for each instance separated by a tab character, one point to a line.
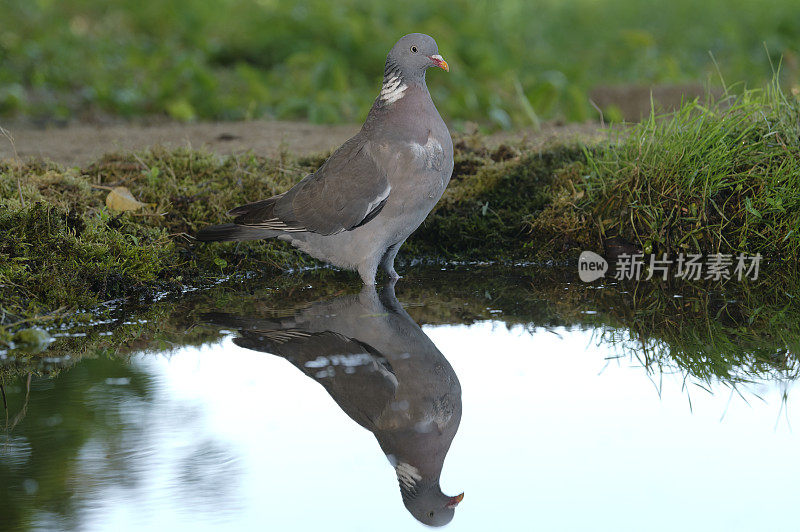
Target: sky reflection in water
553	436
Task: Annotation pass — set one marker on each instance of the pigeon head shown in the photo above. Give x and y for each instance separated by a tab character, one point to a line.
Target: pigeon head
432	507
423	497
412	55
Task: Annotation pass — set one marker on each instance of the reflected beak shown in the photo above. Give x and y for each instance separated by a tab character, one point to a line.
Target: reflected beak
453	502
440	62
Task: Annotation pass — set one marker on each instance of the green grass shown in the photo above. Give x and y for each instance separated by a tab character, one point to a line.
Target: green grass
718	177
514	62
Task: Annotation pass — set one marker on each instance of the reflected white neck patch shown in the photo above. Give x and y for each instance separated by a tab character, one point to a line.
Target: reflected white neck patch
407	474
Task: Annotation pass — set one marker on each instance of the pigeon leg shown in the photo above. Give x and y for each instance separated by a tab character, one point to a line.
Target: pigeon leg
368	269
387	263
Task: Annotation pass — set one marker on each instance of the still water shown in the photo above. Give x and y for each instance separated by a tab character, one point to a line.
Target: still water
320	407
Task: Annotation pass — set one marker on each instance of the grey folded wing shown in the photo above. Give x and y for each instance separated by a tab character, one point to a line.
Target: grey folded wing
347	191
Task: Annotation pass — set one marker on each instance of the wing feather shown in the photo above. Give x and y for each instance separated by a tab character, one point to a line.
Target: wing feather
341	195
347	191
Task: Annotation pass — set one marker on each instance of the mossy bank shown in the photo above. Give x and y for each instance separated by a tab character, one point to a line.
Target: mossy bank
713	177
62	247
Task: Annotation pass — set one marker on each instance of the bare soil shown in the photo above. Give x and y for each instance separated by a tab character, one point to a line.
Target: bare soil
633	101
81	144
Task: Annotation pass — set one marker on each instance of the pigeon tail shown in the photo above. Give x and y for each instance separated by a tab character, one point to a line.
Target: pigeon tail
234	232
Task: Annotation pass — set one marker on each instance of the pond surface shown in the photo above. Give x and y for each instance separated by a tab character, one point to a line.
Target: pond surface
551	405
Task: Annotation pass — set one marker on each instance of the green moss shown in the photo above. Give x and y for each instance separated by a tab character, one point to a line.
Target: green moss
64	249
32	337
483	211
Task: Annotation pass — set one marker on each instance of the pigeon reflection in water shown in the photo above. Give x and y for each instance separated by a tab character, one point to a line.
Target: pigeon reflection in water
384	372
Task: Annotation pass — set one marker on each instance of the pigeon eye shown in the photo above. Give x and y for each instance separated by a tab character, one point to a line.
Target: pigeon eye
413	49
430	514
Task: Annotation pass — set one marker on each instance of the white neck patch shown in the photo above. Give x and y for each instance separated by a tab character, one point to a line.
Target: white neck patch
407	474
393	88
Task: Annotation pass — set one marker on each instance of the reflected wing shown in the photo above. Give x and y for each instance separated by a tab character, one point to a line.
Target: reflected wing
359	379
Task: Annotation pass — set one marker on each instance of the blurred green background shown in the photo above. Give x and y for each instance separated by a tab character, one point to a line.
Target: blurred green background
514	62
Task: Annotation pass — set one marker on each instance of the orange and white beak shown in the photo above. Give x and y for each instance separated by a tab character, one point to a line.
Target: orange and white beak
453	501
439	61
